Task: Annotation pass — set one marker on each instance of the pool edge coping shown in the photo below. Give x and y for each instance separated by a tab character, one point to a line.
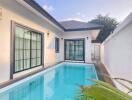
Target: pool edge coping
16	81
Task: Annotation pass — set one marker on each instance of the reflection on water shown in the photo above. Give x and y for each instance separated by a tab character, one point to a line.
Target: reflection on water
32	90
58	84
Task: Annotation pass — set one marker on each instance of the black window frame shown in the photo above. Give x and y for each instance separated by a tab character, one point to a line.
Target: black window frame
78	39
13	27
57	45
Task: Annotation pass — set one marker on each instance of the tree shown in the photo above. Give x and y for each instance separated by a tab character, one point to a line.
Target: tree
109	25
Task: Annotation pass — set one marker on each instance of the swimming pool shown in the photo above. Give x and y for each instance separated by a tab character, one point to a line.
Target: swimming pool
57	83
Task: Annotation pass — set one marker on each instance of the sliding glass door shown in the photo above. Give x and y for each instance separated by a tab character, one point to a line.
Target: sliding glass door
74	49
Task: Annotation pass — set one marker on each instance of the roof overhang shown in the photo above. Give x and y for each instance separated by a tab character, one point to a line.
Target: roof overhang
39	11
94	34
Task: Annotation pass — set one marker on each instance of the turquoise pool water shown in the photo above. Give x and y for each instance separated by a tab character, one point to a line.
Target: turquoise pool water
59	83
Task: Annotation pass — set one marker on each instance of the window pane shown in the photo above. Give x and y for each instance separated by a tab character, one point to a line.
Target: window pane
19	32
28	63
26	54
27	49
20	67
16	43
34	53
39	37
34	45
20	55
80	42
34	36
25	64
38	61
26	44
38	53
21	43
33	62
16	55
16	66
27	34
57	45
74	50
38	45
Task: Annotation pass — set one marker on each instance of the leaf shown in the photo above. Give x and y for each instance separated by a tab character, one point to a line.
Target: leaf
109	87
102	91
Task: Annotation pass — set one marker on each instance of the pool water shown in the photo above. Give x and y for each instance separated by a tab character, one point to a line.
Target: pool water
60	83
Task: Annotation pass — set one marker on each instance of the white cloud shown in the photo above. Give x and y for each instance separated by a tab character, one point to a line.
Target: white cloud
48	8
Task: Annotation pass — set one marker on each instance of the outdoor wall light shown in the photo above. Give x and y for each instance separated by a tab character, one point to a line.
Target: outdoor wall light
48	33
61	38
87	38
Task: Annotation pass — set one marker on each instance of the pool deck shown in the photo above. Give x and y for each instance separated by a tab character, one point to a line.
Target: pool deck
100	68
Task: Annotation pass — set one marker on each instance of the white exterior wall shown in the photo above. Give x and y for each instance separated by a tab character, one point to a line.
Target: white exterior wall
11	10
78	35
117	54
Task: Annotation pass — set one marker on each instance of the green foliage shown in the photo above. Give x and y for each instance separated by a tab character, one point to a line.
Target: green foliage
102	91
109	26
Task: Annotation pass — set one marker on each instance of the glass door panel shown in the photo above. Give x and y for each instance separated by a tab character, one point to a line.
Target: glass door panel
74	50
79	51
69	50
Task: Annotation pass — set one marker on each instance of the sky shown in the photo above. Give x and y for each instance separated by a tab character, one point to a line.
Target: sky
86	10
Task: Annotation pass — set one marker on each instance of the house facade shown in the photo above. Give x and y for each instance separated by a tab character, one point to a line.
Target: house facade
31	39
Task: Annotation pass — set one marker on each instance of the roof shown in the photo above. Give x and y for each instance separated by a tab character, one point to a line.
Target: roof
65	25
73	25
37	7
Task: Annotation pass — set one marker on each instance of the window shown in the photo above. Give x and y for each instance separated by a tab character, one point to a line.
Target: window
57	45
28	50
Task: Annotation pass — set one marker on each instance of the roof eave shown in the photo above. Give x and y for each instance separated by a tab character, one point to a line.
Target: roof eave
45	14
38	8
